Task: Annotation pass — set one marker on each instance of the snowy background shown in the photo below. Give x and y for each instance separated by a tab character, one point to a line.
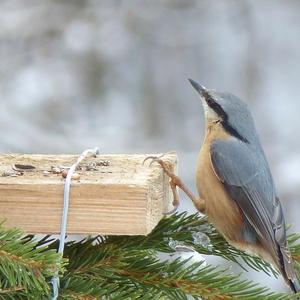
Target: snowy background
113	74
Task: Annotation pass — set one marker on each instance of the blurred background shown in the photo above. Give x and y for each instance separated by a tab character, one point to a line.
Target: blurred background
113	74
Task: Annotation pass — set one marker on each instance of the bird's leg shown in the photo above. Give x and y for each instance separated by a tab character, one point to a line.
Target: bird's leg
177	182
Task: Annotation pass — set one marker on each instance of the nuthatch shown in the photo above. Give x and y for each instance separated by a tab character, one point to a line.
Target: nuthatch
235	184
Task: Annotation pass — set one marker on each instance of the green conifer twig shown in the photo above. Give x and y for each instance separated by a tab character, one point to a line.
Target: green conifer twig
128	267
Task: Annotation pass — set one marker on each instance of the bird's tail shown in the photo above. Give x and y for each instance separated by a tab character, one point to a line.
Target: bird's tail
288	270
294	285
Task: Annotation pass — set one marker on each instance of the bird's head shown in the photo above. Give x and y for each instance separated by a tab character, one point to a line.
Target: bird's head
228	111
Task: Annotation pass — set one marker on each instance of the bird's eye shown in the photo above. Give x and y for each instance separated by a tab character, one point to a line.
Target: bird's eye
217	121
209	101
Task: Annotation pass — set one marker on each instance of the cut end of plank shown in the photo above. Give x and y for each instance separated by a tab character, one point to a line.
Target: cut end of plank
110	195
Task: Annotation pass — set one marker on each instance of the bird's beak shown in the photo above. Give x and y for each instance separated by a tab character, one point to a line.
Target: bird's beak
205	96
199	88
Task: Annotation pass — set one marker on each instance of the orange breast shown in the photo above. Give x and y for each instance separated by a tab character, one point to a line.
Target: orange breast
220	209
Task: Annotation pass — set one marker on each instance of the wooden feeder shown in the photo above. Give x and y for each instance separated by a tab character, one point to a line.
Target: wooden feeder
111	194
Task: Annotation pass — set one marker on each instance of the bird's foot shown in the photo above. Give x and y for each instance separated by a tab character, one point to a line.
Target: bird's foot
174	179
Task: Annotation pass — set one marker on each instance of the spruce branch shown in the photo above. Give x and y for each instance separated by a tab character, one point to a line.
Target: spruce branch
140	275
181	227
130	267
24	269
127	267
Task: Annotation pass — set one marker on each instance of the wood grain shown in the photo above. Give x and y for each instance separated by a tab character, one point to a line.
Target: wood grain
115	195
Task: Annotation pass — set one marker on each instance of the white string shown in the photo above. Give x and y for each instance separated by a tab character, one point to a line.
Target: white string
64	218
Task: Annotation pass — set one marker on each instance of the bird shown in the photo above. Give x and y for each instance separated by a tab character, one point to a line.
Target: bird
235	185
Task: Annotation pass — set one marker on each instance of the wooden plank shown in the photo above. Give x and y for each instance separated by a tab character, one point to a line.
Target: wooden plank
116	194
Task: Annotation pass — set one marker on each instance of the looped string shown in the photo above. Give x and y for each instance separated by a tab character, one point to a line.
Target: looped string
64	218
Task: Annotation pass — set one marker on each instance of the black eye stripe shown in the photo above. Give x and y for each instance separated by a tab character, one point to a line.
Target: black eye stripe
216	107
220	112
233	132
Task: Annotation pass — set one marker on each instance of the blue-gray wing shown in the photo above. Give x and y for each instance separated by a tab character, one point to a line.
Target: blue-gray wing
245	174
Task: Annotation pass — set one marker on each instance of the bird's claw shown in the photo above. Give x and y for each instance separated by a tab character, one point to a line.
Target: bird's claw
174	182
153	159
